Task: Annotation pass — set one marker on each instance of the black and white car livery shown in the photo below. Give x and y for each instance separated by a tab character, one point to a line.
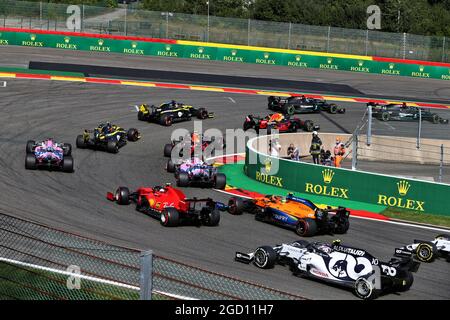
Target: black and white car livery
337	264
427	251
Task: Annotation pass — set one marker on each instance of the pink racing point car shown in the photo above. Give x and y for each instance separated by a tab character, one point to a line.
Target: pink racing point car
49	154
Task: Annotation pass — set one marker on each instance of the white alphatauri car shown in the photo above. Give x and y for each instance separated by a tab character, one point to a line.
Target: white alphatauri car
427	251
346	266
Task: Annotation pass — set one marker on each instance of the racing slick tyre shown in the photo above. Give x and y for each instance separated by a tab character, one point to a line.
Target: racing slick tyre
248	125
426	252
236	206
202	113
342	227
435	118
67	164
290	110
67	147
365	289
265	257
170	166
212	219
385	116
308	126
168	150
133	134
112	147
80	142
166	120
220	181
306	227
122	196
141	116
170	217
333	108
30	146
30	162
270	127
294	127
183	179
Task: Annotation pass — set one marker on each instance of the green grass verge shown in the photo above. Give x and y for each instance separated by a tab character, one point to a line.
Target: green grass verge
25	283
416	216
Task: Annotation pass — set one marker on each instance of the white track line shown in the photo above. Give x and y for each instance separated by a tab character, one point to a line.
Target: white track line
231	99
3	84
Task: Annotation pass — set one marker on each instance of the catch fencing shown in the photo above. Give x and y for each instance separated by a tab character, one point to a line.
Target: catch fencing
170	25
42	263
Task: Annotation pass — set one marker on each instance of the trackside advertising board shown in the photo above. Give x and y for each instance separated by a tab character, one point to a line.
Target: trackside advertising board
401	193
222	52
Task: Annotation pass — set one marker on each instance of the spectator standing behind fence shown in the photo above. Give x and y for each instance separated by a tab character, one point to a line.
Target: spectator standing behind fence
339	151
293	152
316	145
274	148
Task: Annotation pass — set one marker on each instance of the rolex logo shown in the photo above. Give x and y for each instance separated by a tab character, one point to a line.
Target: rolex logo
391	65
200	50
66	39
233	52
360	63
421	68
134	44
329	60
327	175
100	42
297	58
268	165
168	47
403	187
33	37
266	55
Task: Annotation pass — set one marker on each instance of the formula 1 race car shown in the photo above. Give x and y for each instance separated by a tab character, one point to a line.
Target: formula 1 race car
195	172
107	137
293	212
338	265
49	154
168	113
279	122
170	205
292	105
403	112
193	140
427	251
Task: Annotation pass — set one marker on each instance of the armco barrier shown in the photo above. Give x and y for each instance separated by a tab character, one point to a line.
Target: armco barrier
222	52
408	194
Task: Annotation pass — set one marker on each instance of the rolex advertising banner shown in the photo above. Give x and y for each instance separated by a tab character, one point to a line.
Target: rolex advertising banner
229	53
408	194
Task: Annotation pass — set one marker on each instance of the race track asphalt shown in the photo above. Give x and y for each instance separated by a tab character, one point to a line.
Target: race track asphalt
76	202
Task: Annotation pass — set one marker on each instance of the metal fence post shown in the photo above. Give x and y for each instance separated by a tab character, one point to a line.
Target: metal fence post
82	18
328	38
443	49
441	164
369	125
354	151
419	130
248	32
167	25
146	276
367	41
40	14
126	10
289	35
404	45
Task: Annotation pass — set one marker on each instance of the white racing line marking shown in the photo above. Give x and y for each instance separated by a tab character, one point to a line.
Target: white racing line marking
81	276
3	84
406	224
231	99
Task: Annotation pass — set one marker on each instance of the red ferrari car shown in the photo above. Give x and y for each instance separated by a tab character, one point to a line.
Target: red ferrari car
170	205
278	121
